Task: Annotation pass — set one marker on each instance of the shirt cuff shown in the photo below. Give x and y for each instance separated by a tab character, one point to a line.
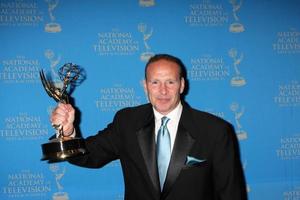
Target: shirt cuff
71	135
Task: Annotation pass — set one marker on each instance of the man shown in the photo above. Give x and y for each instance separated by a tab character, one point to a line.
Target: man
201	162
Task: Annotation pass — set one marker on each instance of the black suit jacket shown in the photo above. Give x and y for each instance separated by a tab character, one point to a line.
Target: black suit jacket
130	138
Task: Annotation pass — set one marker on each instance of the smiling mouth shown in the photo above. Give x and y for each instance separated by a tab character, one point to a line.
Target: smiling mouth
163	99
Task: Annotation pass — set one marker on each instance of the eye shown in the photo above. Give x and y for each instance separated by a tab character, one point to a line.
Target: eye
171	83
154	82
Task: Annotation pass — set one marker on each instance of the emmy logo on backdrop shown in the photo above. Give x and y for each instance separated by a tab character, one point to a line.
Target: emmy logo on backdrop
236	27
238	113
237	80
49	54
145	56
146	3
52	27
58	173
61	148
248	189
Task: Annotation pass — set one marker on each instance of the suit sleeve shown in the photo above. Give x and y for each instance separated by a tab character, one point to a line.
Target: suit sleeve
227	169
102	148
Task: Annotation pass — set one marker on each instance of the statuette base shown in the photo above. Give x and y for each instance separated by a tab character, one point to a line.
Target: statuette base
60	149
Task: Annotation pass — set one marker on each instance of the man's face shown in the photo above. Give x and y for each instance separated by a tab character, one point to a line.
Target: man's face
163	85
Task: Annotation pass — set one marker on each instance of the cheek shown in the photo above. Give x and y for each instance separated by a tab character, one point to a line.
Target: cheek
151	95
175	91
152	91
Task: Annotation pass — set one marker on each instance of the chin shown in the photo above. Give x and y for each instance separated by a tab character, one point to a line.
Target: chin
163	109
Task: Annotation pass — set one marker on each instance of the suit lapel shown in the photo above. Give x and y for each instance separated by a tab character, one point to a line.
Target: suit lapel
146	139
182	146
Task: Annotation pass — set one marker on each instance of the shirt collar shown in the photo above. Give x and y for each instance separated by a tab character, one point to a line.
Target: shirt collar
174	114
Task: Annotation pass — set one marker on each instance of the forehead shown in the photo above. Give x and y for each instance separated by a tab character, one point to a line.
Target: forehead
163	66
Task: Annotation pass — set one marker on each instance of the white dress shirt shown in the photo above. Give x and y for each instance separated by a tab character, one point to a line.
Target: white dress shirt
172	125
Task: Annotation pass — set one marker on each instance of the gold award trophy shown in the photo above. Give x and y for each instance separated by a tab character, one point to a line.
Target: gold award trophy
61	147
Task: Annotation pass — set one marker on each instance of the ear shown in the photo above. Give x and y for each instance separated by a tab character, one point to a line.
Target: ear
182	85
145	86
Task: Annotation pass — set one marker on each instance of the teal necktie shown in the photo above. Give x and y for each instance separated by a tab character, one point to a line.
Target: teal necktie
163	150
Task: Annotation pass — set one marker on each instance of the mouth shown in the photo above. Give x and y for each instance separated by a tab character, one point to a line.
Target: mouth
163	100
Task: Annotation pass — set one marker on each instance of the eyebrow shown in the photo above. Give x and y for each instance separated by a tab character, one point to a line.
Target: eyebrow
177	80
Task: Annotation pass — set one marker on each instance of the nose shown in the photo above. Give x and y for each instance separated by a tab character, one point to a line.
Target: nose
163	88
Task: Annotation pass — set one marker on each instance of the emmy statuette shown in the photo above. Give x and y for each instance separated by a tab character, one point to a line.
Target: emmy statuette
61	148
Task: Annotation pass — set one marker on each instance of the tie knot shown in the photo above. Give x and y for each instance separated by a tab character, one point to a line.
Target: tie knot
164	121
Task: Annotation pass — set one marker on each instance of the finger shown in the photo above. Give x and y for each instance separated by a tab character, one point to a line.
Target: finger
70	110
61	109
62	106
58	116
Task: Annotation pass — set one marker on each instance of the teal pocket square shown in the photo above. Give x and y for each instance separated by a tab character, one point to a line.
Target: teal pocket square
193	161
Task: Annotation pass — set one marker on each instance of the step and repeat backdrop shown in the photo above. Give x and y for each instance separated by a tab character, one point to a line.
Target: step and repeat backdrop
243	65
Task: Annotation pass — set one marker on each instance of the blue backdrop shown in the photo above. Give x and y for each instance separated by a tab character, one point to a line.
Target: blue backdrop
243	64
